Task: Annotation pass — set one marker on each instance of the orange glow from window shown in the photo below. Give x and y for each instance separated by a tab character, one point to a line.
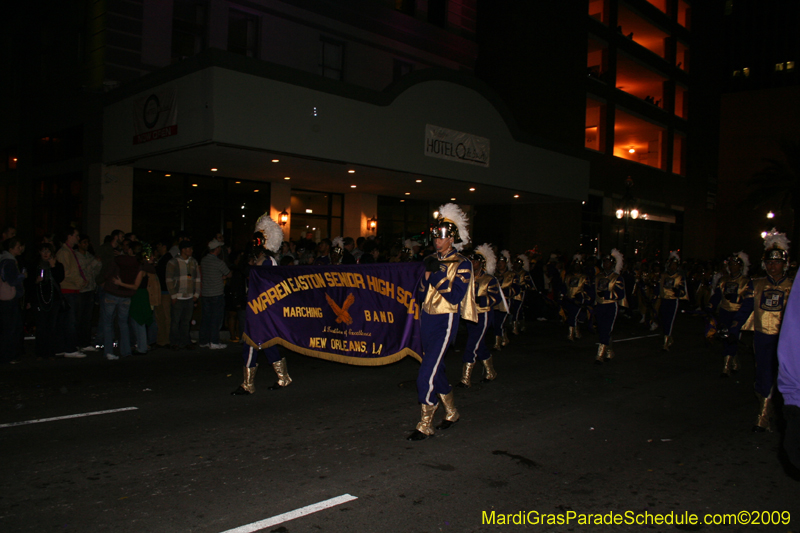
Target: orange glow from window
682	56
595	125
598	10
681	101
678	154
641	31
660	4
684	14
640	81
645	138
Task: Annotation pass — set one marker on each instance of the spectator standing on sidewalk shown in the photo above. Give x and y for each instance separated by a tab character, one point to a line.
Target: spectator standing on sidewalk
74	280
162	311
215	272
11	296
183	283
91	267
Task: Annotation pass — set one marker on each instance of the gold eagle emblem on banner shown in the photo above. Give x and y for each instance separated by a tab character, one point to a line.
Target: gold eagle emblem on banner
341	312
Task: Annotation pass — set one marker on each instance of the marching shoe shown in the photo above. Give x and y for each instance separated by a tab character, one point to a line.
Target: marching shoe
451	415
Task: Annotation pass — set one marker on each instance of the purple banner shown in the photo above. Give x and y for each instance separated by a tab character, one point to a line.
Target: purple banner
356	314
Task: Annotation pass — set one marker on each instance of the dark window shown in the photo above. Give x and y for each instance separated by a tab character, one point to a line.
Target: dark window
405	6
331	58
188	28
437	12
62	145
242	33
319	213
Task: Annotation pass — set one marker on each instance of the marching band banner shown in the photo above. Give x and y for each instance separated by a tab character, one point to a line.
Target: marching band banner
356	314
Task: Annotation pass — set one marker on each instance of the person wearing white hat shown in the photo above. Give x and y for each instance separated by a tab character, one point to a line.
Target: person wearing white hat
671	289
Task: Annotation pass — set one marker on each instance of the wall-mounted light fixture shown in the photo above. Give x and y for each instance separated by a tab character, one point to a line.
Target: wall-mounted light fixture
372	224
283	218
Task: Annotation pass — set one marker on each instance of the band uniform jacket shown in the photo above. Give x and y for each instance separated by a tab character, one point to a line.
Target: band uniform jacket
729	293
456	269
764	304
487	292
609	288
672	287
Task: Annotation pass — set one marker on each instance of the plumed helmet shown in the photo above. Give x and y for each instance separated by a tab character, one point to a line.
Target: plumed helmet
523	261
776	246
268	234
615	256
485	255
740	258
453	223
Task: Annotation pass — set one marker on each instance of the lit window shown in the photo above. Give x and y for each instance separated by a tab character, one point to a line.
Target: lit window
679	154
790	65
595	125
778	67
681	101
746	71
646	138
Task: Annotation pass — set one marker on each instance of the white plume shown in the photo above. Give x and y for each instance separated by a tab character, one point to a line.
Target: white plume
273	234
338	242
674	255
408	243
488	254
618	258
774	239
454	214
505	254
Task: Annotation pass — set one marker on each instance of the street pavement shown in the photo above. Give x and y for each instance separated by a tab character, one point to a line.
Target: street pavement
648	433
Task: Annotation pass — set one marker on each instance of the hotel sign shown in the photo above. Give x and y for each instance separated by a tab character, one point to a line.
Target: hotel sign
155	116
456	146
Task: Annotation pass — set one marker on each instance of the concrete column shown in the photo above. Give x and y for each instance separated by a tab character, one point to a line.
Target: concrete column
358	208
280	197
110	200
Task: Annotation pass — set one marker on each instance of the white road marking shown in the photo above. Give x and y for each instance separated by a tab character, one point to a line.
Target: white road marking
634	338
291	515
67	417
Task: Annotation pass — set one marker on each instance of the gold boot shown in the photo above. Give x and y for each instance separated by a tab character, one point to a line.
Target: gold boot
735	367
450	412
283	375
571	334
601	352
764	412
667	342
498	343
424	427
577	332
726	367
489	372
610	352
515	329
466	375
248	385
505	337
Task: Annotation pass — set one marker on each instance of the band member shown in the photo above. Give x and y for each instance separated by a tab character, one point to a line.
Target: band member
671	289
267	241
505	278
487	294
337	250
609	292
522	283
447	291
575	295
726	300
765	299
